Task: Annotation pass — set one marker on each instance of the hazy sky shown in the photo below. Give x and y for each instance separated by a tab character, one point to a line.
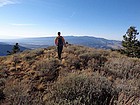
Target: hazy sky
100	18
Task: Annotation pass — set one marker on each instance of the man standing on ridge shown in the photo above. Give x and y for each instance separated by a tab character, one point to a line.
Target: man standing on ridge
59	42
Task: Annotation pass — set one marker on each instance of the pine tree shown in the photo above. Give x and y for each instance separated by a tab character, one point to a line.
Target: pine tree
130	43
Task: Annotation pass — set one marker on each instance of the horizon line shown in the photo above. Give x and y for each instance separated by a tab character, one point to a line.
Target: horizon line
56	36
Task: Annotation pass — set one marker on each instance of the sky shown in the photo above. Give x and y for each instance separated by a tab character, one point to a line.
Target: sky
108	19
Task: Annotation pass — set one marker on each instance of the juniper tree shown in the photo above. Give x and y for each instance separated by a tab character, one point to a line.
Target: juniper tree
130	43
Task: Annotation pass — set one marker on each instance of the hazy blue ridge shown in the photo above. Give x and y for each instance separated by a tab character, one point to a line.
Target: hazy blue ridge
43	42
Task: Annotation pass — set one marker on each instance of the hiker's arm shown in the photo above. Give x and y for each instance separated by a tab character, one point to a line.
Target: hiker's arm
56	41
64	41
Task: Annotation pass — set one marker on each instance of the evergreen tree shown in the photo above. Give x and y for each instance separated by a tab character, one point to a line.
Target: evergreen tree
130	43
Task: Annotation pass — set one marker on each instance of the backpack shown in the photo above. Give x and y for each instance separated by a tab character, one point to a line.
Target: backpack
60	41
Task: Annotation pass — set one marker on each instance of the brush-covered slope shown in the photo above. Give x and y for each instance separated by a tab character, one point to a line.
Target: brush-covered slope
84	76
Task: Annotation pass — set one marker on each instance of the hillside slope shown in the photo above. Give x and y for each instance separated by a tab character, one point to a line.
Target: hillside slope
84	76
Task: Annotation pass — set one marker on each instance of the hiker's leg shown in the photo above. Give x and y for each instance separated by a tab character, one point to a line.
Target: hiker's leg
61	48
58	51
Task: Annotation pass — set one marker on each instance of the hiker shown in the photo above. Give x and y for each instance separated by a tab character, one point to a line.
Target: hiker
16	48
59	42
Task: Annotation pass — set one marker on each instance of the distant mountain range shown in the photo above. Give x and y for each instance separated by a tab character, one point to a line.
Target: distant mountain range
43	42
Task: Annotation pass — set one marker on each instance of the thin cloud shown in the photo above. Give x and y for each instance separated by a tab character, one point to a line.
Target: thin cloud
7	2
23	24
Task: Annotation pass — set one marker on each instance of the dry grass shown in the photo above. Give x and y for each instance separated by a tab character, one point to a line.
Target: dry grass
79	89
84	76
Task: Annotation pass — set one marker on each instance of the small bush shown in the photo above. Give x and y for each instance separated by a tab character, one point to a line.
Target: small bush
93	59
47	69
123	67
70	50
47	65
29	55
82	90
73	61
17	94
